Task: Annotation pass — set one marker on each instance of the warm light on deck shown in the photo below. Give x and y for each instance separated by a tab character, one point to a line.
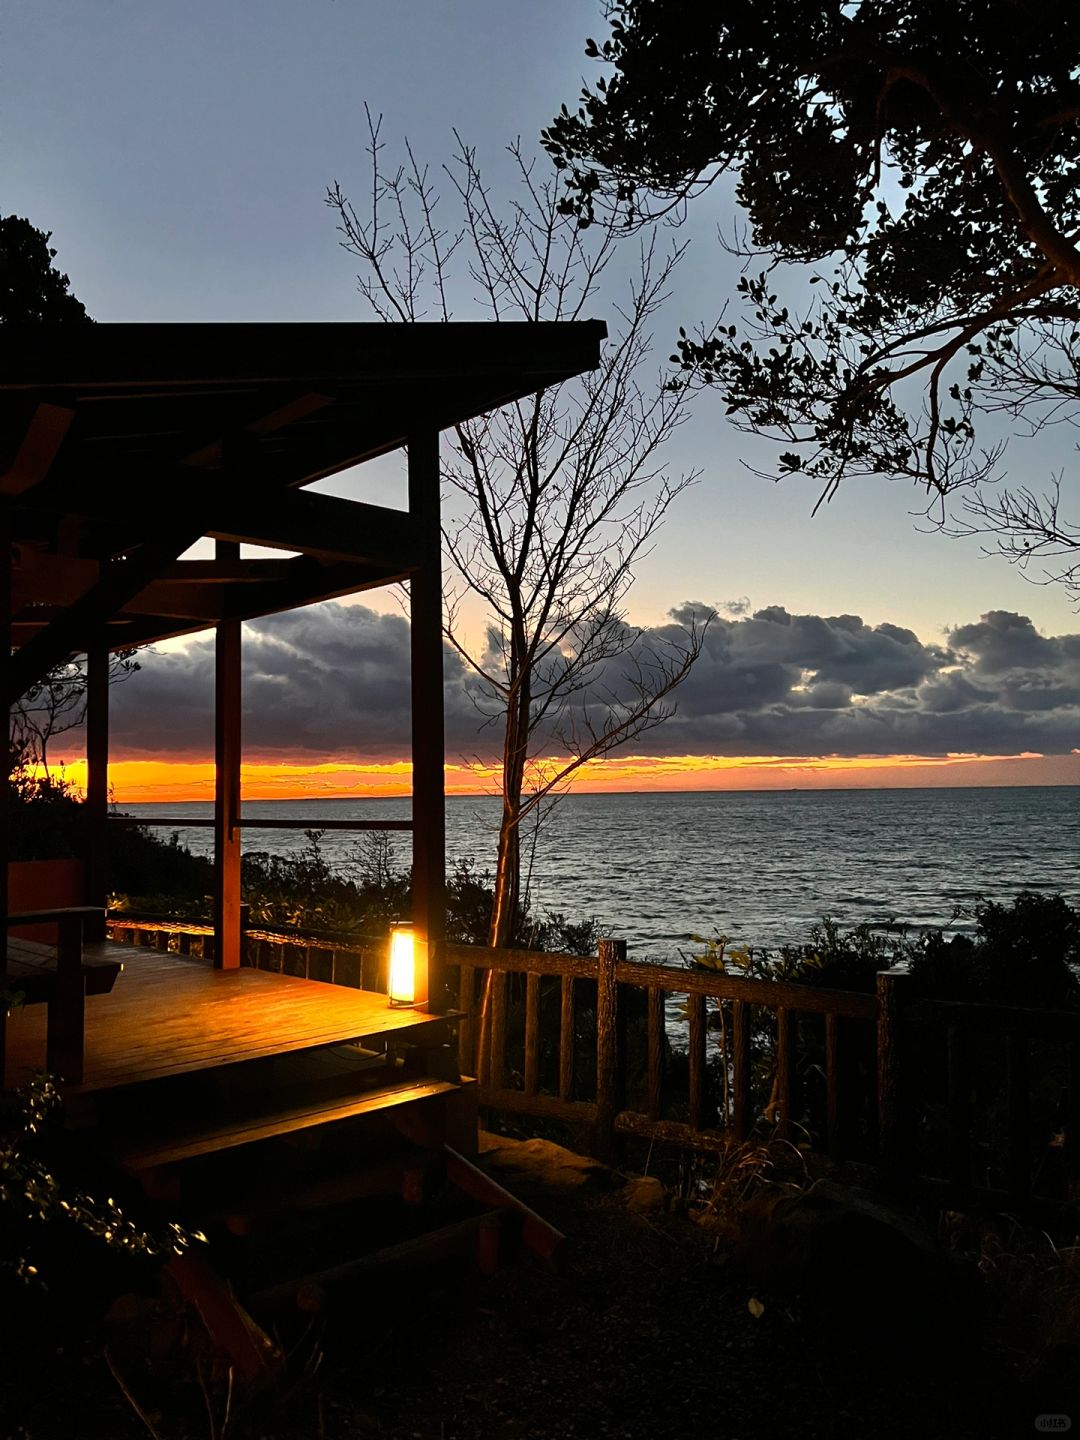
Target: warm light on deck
402	985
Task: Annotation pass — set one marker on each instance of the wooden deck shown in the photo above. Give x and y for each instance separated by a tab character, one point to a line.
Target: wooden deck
171	1015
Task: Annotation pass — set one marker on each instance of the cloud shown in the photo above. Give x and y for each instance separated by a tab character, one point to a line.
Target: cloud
332	682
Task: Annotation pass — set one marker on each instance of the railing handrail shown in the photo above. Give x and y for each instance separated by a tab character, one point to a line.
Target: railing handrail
205	822
992	1015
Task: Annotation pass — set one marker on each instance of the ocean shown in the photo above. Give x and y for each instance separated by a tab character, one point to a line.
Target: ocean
658	868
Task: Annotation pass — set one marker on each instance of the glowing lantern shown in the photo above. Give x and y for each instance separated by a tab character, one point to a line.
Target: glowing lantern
402	987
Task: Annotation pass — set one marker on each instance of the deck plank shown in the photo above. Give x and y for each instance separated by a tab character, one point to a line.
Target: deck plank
215	1138
171	1015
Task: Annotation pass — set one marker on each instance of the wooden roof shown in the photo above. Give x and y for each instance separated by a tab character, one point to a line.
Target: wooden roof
121	445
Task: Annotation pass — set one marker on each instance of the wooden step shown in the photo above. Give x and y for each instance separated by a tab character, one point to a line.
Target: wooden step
168	1150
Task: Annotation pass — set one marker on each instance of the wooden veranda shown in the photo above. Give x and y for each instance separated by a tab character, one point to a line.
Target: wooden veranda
121	447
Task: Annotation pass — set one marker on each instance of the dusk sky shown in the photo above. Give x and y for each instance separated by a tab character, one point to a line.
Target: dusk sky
180	154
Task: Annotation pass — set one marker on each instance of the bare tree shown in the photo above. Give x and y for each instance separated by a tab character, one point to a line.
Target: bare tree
54	705
560	495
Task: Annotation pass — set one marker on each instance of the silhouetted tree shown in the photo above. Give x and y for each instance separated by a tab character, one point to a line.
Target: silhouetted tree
31	287
33	290
931	152
562	492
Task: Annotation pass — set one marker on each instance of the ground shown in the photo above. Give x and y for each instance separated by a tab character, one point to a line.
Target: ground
652	1327
646	1333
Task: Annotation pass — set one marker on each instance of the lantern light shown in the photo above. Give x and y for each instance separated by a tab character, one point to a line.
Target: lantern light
402	984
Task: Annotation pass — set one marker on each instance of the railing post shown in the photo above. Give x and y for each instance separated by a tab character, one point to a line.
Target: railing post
66	1011
696	1015
742	1119
657	1041
532	1034
609	954
566	1038
894	1119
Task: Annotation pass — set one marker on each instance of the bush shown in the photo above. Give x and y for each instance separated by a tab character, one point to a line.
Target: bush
1026	953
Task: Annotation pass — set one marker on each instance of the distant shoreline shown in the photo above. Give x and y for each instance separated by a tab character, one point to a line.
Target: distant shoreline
601	794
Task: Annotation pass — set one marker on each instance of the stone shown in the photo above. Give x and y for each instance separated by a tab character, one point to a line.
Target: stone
542	1162
644	1195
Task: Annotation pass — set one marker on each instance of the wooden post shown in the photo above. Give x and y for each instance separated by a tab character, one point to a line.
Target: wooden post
227	751
532	1034
742	1120
466	1004
1018	1089
610	953
566	1038
496	1059
696	1016
657	1044
97	787
785	1072
429	801
1072	1124
894	1137
959	1060
65	1022
832	1085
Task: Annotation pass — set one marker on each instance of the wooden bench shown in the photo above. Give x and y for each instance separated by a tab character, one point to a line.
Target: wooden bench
60	977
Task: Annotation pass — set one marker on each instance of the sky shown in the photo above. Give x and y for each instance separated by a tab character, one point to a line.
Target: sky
180	154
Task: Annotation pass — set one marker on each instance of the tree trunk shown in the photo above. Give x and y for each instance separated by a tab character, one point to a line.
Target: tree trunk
504	908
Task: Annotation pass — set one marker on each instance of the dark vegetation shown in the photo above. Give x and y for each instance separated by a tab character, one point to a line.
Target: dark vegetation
75	1250
923	158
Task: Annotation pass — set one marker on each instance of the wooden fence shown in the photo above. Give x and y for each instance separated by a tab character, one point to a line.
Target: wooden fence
882	1078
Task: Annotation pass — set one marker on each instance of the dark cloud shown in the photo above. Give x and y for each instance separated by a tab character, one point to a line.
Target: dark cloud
332	682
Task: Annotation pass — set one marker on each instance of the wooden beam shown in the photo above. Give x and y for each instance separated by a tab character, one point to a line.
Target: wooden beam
320	525
97	787
37	450
323	526
429	801
230	572
41	577
309	355
120	581
188	602
227	753
298	408
309	583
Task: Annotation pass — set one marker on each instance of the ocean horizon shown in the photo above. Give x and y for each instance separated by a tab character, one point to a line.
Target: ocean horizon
657	867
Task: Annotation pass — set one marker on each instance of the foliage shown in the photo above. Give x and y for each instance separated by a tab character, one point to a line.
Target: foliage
832	957
55	704
930	153
32	289
45	818
553	499
1026	953
38	1210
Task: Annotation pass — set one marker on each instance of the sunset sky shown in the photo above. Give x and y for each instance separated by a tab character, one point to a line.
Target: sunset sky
180	153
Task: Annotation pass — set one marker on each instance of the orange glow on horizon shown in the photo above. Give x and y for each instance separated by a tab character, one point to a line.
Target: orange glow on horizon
172	781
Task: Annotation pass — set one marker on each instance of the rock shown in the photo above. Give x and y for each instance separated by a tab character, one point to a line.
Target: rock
644	1195
542	1162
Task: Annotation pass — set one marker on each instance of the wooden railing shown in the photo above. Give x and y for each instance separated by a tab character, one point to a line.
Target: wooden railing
885	1078
631	1080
